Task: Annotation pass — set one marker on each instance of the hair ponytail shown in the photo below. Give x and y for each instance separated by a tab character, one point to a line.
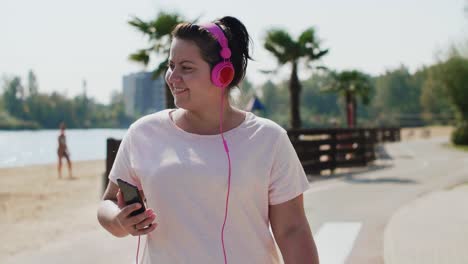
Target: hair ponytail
239	41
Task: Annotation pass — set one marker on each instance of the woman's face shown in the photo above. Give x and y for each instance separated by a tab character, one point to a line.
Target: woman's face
188	76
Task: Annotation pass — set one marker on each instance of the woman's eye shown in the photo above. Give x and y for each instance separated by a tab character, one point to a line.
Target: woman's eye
186	68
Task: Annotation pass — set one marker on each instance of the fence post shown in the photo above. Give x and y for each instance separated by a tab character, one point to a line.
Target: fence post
398	134
333	153
112	146
363	141
372	142
392	134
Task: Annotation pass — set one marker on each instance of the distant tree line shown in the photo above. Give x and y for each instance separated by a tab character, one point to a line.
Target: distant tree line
395	98
433	95
23	106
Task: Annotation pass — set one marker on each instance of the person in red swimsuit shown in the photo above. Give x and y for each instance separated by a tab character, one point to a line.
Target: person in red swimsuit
63	152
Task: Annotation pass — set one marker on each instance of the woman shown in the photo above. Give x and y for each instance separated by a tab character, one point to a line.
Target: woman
216	177
63	152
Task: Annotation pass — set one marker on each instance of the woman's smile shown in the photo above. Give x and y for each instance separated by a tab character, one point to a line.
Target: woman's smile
178	91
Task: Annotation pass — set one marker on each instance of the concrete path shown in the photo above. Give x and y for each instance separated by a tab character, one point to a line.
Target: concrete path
431	230
91	247
374	198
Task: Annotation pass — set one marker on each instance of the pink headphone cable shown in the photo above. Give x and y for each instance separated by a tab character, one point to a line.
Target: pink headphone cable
226	148
138	250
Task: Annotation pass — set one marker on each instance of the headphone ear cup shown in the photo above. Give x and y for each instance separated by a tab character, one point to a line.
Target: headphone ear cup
222	74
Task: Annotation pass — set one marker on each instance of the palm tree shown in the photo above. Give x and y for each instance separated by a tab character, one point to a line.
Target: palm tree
286	50
159	37
351	84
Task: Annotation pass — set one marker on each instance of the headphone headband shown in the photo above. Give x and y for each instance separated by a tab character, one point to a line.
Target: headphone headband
223	72
218	33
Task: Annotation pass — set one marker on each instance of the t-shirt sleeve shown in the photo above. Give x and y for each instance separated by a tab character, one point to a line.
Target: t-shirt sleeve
123	166
287	179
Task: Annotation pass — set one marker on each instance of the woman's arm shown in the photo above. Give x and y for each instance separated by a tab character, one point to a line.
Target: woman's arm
115	217
108	211
292	232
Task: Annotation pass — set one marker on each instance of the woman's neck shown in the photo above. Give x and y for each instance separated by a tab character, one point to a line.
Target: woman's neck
207	122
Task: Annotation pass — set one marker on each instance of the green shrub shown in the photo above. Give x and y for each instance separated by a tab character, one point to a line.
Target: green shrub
460	135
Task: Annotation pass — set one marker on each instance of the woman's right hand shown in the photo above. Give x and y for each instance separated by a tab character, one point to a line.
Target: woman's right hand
137	225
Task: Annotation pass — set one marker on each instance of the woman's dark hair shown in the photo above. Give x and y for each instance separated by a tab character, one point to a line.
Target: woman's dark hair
238	41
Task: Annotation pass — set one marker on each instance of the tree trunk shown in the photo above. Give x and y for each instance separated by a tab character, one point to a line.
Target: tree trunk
295	91
354	104
349	109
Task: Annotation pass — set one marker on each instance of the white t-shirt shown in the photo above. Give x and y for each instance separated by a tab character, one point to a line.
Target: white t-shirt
185	177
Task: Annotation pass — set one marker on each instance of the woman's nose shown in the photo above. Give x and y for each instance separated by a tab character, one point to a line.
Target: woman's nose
173	76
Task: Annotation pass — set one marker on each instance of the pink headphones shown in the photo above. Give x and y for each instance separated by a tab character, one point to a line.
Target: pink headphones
223	72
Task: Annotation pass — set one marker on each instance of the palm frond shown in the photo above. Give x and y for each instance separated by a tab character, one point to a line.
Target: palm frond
280	43
307	37
322	67
354	82
141	25
319	54
141	56
274	71
313	67
165	23
278	52
161	69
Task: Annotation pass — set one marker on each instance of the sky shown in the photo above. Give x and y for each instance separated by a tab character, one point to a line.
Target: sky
65	42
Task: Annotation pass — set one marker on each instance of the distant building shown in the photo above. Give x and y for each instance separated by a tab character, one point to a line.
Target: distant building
143	95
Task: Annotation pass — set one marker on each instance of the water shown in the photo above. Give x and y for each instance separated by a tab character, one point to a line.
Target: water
22	148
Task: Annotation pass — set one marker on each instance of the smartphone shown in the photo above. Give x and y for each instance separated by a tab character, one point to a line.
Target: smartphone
131	195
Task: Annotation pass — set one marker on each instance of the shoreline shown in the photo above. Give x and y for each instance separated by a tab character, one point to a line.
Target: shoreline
53	164
37	208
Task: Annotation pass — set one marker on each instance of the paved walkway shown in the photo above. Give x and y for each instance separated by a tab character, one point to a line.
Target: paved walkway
432	229
90	247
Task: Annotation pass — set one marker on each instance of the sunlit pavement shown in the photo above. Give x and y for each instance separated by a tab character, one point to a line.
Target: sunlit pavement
397	210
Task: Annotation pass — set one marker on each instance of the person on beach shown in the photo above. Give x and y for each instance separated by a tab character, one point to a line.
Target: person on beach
63	152
221	185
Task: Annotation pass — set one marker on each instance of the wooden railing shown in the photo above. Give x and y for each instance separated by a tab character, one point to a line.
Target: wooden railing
317	149
329	149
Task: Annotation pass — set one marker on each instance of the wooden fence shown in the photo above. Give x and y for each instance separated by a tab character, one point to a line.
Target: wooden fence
318	149
329	149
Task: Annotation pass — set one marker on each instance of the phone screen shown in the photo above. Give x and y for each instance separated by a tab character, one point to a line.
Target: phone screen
131	195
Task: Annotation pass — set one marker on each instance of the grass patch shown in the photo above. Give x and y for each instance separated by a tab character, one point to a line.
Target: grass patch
457	147
463	148
463	184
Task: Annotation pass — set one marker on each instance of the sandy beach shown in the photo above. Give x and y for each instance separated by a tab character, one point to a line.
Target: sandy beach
37	208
